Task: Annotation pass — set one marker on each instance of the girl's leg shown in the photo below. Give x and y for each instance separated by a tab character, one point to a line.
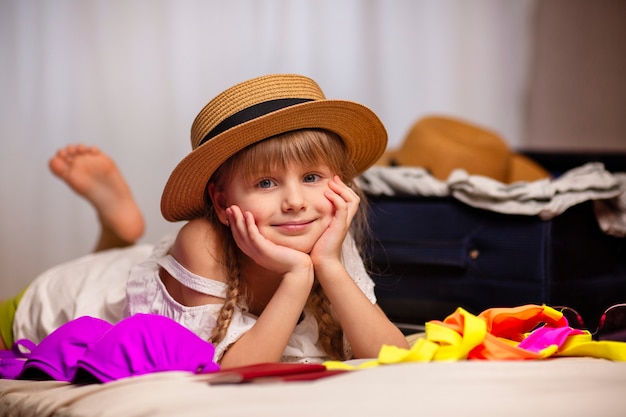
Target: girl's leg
94	176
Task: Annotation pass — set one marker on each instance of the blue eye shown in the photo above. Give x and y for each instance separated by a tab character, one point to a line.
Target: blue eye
265	183
311	177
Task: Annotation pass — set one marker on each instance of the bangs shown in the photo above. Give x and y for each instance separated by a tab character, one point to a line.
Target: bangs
306	148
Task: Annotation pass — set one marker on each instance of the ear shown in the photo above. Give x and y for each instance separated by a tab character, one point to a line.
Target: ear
218	198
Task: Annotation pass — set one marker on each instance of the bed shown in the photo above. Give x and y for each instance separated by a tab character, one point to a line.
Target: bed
557	387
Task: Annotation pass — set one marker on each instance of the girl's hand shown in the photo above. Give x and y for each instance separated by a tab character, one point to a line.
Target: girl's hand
346	203
268	337
267	254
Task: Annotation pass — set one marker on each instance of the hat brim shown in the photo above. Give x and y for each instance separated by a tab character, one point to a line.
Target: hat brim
361	130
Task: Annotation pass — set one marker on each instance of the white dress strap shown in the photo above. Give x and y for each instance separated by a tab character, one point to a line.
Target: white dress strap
190	280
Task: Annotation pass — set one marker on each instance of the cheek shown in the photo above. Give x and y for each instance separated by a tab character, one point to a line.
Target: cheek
261	209
324	205
245	201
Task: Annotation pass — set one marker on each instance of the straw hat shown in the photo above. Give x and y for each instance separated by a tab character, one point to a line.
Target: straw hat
442	144
258	109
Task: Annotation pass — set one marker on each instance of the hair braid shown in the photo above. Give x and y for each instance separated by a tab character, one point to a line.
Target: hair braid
234	291
330	333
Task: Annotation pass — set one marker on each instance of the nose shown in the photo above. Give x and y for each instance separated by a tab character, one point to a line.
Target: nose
293	198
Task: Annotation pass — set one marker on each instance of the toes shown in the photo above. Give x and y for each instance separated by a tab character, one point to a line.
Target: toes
59	166
70	150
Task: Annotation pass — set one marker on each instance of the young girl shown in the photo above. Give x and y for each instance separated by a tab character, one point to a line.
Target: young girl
265	268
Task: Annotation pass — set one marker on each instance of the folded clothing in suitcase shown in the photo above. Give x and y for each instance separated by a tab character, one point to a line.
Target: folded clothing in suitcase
434	254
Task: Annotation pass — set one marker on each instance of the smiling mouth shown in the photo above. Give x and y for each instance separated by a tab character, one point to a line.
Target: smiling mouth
294	226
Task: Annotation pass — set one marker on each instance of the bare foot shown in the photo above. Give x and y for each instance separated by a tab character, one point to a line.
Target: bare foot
94	176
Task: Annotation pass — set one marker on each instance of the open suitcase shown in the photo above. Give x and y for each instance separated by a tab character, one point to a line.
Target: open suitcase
432	255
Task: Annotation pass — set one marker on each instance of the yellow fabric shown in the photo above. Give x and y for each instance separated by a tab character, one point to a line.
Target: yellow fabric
463	335
473	334
583	345
499	323
7	314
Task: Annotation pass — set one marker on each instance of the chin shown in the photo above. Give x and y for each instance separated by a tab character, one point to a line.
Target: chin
305	247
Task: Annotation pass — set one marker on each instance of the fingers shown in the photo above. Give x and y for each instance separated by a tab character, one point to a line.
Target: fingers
346	203
247	234
242	226
344	198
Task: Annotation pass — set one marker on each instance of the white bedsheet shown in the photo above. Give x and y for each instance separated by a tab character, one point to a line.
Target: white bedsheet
559	387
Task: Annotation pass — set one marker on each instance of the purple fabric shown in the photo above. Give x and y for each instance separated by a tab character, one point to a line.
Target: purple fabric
57	355
12	361
146	343
547	336
88	349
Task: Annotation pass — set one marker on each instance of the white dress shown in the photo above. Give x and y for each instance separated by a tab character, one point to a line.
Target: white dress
119	282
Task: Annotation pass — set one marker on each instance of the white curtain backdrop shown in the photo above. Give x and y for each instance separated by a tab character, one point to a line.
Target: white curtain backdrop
130	75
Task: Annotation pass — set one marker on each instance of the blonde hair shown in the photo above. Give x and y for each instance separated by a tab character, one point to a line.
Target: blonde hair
310	147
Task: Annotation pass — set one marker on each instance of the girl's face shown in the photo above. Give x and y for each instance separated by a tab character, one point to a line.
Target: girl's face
288	203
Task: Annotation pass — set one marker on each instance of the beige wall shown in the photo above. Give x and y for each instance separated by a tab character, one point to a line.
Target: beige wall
577	94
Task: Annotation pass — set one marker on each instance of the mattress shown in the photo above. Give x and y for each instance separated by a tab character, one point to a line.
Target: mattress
555	387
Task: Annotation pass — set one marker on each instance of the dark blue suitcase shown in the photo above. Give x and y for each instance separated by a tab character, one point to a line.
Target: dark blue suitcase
432	255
